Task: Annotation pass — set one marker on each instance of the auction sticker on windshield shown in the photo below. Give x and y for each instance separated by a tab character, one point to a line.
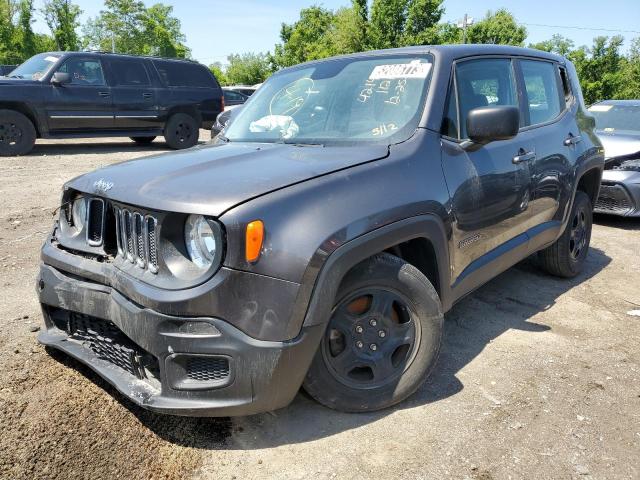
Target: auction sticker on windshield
414	69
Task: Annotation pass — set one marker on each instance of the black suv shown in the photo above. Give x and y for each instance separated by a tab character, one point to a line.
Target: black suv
82	94
318	242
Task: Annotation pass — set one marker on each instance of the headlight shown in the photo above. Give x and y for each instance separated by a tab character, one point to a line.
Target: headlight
79	213
203	240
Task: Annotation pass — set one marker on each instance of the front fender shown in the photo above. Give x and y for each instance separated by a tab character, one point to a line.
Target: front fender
319	295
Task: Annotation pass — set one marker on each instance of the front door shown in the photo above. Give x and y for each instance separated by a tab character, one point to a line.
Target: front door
489	184
84	104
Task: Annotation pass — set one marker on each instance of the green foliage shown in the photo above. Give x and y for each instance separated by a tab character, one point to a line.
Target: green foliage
421	26
26	38
62	18
600	68
306	39
498	28
217	69
132	28
247	68
557	44
387	23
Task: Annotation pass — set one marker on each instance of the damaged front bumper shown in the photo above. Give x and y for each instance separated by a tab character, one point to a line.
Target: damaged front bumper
194	366
619	193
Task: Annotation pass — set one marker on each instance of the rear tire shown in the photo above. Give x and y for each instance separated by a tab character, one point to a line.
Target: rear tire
181	131
143	140
17	134
567	256
382	340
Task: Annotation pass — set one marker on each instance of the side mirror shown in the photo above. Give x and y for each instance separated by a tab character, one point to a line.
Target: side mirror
488	124
60	78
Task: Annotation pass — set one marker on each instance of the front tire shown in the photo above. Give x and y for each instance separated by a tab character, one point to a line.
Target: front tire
566	257
382	340
181	131
17	134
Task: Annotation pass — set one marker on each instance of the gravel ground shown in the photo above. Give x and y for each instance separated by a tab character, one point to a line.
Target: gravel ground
538	377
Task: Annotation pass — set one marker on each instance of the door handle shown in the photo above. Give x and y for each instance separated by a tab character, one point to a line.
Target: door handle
147	95
572	140
523	157
104	94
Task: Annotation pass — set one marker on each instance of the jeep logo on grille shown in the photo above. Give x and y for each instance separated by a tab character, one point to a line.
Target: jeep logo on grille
102	186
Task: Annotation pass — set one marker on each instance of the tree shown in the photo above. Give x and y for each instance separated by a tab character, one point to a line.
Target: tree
62	18
631	73
27	43
247	68
421	26
347	34
498	28
600	68
218	71
305	39
387	23
557	44
119	24
162	33
133	28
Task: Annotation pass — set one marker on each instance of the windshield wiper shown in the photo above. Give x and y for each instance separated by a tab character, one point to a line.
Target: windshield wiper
223	138
282	141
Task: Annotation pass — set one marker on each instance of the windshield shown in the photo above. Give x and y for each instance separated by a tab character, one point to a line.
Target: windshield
345	101
36	67
617	118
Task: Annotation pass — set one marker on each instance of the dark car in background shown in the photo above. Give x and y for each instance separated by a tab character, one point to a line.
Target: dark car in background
351	202
243	89
6	69
94	94
233	98
618	127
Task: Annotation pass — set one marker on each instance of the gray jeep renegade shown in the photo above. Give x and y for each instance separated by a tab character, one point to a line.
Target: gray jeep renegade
322	236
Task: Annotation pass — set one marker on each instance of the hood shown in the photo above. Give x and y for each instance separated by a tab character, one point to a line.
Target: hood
619	144
211	179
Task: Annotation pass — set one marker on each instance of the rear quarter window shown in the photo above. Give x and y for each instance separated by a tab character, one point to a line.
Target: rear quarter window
185	74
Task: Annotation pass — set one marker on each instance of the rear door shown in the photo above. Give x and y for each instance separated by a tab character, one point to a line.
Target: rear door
134	95
84	105
489	184
548	119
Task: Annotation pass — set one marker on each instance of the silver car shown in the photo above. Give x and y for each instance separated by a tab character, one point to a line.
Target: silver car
618	127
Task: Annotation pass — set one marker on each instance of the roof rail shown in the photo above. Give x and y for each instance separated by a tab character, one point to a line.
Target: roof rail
158	57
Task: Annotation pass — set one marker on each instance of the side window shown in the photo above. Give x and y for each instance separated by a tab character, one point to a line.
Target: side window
184	74
566	86
450	120
84	72
232	96
481	83
129	73
541	85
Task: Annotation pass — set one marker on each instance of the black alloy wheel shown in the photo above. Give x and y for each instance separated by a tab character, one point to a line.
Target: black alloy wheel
382	337
371	338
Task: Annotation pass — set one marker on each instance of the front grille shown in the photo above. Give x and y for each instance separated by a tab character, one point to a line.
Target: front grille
95	222
136	236
614	199
108	343
207	369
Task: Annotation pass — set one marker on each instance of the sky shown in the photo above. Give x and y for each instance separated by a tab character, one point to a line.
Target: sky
216	28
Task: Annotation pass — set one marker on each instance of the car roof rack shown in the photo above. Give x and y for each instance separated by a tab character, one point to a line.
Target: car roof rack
156	57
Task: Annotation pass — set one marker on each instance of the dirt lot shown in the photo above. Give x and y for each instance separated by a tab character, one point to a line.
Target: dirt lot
538	378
